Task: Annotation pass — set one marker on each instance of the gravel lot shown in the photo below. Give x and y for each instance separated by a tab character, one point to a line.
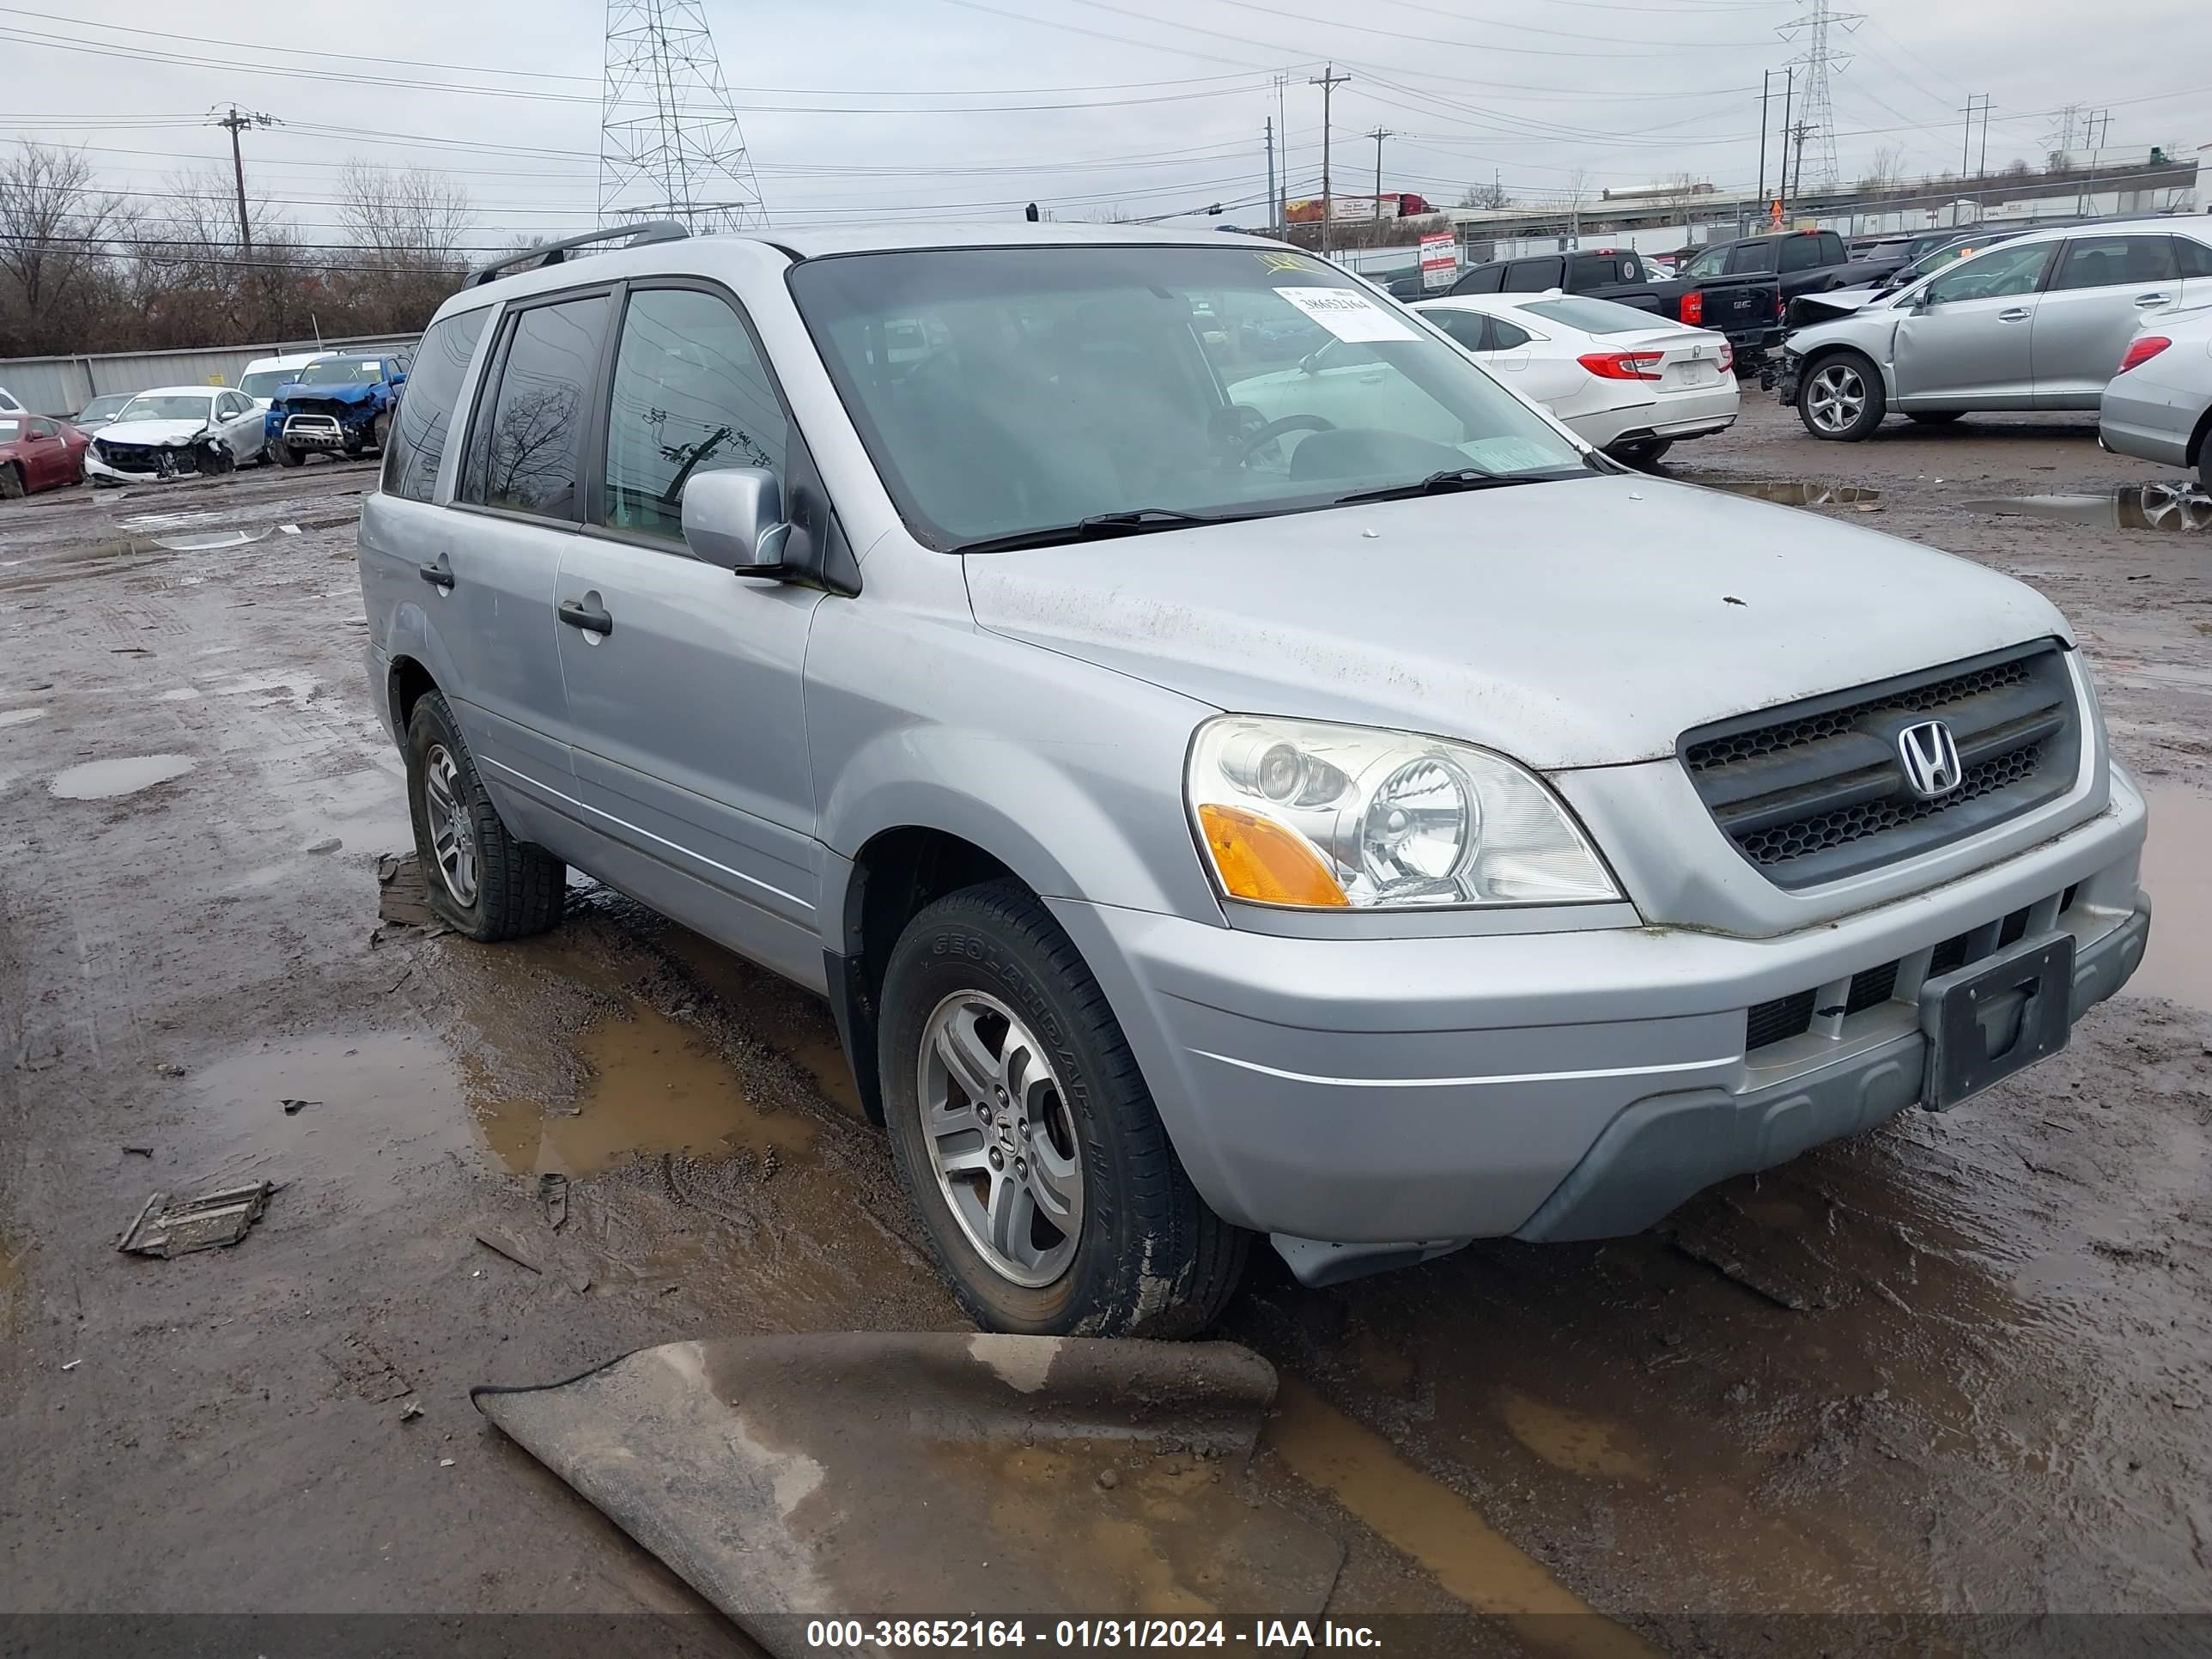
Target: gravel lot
1961	1365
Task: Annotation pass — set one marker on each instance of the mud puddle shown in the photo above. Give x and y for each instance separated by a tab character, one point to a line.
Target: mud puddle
106	780
21	716
2177	506
2179	964
1795	492
656	1087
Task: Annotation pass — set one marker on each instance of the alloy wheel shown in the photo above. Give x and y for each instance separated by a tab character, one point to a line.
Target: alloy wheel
1836	397
1001	1137
453	831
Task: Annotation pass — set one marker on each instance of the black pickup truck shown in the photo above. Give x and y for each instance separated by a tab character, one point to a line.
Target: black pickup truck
1803	261
1747	309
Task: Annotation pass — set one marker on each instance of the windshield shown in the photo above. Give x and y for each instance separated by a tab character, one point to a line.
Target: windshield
101	408
263	383
1594	316
342	371
167	406
1021	391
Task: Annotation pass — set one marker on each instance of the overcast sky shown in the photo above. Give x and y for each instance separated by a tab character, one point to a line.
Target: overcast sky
1142	108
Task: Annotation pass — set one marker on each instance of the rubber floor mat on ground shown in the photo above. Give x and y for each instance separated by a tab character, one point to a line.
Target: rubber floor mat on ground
862	1476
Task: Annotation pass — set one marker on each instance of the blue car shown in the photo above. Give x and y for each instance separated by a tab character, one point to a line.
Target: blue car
340	405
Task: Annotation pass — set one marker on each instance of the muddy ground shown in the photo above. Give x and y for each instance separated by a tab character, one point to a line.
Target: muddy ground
1961	1365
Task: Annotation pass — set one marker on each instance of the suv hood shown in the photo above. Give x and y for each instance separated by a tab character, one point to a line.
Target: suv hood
152	433
1538	621
338	391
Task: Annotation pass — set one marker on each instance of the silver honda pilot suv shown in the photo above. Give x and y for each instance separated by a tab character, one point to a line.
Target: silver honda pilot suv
1344	828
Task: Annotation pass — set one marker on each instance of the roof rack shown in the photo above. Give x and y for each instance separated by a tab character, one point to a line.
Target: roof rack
552	253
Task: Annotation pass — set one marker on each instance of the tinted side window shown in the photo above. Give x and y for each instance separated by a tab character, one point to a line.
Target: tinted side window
1470	328
1485	280
1533	276
2195	258
690	395
2001	273
523	448
425	405
2109	261
1504	336
1595	270
1804	253
1753	258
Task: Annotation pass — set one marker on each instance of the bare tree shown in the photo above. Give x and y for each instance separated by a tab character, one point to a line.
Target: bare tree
1885	173
1492	196
407	227
54	229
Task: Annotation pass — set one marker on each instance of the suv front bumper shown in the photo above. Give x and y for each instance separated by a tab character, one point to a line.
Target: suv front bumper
1403	1096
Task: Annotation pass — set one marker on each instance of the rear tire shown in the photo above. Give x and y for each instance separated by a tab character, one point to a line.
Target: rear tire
1647	452
1839	397
987	970
481	880
1935	417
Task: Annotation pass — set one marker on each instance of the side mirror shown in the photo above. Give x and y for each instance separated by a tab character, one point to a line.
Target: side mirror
734	519
1310	363
399	379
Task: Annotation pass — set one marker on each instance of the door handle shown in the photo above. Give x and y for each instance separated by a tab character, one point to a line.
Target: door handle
2143	300
2017	314
591	619
438	572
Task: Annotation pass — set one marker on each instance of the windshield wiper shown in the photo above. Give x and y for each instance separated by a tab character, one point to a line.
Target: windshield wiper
1135	521
1451	481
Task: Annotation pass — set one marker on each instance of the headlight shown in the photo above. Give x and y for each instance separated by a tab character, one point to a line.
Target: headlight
1299	813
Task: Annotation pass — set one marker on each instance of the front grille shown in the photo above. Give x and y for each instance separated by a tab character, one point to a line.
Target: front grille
1815	791
332	407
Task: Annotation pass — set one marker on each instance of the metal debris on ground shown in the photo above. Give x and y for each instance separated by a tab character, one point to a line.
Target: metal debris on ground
402	898
500	1242
939	1472
204	1223
553	1194
293	1108
410	1410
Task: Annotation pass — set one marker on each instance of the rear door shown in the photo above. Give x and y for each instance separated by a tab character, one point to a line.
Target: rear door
686	693
1963	343
2196	258
520	503
2101	289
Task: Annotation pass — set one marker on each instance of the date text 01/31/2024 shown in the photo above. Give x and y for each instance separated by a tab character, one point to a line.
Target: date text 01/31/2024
845	1635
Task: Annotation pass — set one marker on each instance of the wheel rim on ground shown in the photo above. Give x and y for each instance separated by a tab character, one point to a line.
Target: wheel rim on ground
1836	397
453	832
1001	1137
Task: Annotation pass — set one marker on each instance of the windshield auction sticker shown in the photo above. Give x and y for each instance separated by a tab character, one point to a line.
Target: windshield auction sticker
1347	313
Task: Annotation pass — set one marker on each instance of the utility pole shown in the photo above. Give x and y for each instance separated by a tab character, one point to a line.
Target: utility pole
1282	179
1328	81
1765	75
238	123
1378	135
1802	131
1789	89
1271	165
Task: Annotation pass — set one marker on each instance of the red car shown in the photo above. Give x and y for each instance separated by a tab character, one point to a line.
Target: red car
37	454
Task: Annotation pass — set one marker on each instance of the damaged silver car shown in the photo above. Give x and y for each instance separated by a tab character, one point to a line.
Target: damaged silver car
174	432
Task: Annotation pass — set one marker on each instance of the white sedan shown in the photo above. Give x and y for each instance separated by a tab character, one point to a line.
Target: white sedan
1625	381
175	430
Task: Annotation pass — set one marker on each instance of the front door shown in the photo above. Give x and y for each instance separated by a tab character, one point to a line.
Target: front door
2104	286
240	423
684	680
1964	344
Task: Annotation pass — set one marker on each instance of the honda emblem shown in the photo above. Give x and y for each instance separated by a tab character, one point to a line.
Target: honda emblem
1929	754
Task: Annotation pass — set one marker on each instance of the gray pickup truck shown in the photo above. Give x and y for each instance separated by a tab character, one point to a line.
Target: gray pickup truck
1207	825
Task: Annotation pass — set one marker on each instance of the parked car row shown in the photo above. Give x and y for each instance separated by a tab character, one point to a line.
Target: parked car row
283	410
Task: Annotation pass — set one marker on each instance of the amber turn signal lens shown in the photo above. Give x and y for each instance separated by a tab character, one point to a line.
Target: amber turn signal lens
1261	860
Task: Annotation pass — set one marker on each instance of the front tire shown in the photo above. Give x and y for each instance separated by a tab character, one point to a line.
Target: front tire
481	880
1839	397
288	456
12	485
1026	1139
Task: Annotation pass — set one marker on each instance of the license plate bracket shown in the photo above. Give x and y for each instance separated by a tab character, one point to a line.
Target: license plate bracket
1990	1018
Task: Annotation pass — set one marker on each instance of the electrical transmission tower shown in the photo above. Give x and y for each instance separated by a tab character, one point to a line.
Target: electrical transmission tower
670	144
1813	26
